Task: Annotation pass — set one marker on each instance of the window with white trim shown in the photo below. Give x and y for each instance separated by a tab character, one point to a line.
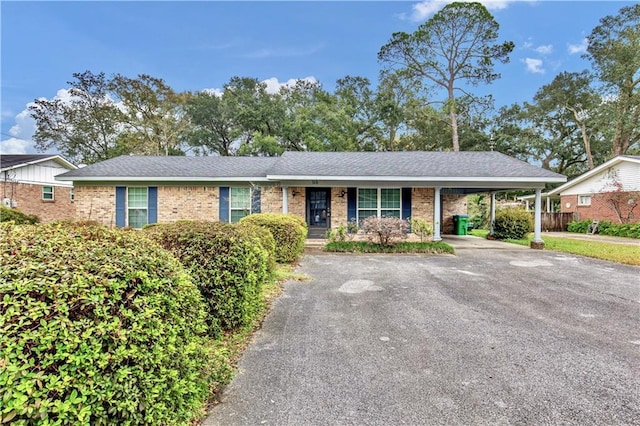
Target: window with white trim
379	202
47	193
137	207
240	205
584	200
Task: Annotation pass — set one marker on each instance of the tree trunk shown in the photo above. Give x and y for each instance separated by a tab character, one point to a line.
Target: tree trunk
587	145
454	119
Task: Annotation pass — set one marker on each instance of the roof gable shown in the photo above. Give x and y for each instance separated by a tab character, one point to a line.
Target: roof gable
634	159
13	161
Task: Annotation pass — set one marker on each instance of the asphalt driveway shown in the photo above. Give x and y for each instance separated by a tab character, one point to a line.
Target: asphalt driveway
492	336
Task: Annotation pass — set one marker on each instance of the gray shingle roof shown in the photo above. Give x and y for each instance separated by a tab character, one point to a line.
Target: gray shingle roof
12	160
206	168
406	164
298	165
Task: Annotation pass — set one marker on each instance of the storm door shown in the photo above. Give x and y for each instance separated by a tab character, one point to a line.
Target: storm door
318	211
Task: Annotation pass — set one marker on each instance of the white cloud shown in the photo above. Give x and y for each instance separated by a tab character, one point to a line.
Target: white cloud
214	92
426	8
15	146
25	125
534	65
544	49
273	85
578	48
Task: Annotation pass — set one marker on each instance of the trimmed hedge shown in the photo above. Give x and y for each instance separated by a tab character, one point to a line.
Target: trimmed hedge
17	217
227	262
288	231
97	327
512	224
579	226
628	230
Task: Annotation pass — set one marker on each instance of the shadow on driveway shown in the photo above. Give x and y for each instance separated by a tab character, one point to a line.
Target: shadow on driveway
484	337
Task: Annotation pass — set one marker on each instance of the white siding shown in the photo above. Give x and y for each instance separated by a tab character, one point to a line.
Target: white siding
626	172
42	173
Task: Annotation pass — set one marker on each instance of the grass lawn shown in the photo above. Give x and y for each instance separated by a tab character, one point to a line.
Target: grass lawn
619	253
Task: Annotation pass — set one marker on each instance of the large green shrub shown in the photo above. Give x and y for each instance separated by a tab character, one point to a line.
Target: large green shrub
289	232
17	217
265	237
227	262
579	226
97	327
628	230
512	224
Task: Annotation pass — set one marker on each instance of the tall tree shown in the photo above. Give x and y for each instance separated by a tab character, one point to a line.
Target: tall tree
457	45
155	117
614	52
211	130
395	99
571	98
84	127
302	129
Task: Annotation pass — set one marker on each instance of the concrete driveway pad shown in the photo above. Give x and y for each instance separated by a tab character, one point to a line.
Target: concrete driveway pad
483	337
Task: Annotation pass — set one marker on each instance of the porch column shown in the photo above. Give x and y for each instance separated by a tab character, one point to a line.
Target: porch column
548	204
285	199
492	212
537	242
436	215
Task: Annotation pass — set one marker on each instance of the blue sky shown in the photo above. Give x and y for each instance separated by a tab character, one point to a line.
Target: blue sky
201	45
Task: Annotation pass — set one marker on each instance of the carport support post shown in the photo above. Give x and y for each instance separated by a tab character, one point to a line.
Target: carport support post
436	215
492	212
537	242
285	199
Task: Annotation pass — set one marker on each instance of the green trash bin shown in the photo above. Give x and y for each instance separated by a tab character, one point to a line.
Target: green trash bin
460	222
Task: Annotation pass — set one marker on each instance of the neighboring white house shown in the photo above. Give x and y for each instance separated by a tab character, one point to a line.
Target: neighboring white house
609	192
29	185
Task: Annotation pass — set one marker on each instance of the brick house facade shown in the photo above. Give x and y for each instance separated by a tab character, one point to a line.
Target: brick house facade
609	192
324	189
29	185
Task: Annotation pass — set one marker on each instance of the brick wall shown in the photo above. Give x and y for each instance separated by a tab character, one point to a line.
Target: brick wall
601	206
271	199
452	204
422	203
28	199
96	203
188	203
338	207
297	204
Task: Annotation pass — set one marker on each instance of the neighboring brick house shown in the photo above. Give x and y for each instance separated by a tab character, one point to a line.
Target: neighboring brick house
609	192
29	185
326	189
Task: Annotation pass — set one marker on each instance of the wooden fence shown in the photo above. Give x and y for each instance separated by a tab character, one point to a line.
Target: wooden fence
556	222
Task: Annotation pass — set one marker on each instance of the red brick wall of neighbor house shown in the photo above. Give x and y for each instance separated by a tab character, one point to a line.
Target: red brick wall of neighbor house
28	198
601	209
